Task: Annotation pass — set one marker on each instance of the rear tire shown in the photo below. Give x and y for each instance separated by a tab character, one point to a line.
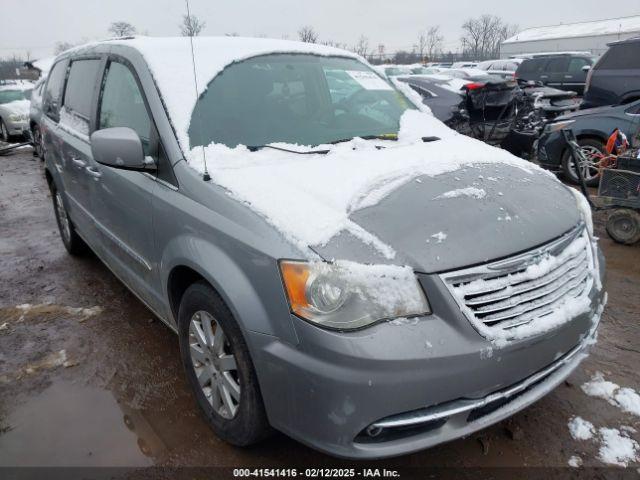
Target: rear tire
623	226
227	393
70	238
590	146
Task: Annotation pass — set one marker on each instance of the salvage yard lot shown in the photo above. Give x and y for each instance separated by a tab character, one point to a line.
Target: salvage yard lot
86	367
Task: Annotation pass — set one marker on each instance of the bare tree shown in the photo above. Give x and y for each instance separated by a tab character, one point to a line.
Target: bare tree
362	47
483	35
61	47
432	42
308	34
191	26
122	29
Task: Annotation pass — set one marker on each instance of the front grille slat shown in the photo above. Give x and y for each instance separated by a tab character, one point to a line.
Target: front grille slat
529	285
521	289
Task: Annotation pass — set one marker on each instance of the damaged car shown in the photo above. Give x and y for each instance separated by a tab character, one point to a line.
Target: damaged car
337	264
14	111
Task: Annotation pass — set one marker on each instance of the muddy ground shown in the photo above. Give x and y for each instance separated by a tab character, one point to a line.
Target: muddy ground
106	387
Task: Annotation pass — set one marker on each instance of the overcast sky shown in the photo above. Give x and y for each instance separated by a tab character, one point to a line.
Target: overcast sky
35	26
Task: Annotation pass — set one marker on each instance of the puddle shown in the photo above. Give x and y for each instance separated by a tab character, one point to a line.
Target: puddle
71	425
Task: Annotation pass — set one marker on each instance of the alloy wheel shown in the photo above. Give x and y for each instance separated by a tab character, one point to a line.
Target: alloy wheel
4	134
589	165
215	364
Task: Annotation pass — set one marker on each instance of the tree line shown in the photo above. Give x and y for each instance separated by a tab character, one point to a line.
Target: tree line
480	40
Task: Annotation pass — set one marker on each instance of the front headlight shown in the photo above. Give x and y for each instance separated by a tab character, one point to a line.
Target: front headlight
584	208
347	295
556	127
17	117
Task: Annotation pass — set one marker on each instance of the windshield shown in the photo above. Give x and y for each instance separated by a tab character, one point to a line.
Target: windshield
295	98
8	96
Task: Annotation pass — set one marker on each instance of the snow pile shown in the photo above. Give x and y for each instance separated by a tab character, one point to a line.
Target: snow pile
19	107
440	237
286	189
447	82
616	447
575	461
472	192
580	429
627	399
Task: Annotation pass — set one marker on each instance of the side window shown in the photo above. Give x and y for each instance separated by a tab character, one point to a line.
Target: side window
78	96
53	90
557	64
122	104
576	64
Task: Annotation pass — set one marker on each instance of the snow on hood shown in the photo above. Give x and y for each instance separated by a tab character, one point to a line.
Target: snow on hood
309	198
19	107
169	60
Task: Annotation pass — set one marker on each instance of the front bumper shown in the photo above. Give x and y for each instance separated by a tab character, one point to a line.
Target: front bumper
393	389
17	128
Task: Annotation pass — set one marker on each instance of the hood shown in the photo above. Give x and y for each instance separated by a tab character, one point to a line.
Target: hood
432	203
19	107
463	218
606	110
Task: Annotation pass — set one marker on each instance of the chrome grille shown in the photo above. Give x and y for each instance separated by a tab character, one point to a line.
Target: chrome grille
516	291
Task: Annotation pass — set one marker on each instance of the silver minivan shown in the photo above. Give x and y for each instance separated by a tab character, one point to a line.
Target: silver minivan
337	264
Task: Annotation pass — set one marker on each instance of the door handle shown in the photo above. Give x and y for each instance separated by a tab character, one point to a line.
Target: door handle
544	76
568	76
78	162
95	173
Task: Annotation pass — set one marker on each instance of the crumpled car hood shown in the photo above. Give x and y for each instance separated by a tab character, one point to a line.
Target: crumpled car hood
462	218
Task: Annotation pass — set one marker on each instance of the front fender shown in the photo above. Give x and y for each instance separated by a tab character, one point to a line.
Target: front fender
250	285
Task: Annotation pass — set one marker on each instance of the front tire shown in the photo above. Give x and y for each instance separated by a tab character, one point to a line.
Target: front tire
219	368
37	142
70	238
4	132
623	226
592	148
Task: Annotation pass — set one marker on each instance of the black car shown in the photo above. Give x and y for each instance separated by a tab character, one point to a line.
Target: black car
562	71
592	128
615	78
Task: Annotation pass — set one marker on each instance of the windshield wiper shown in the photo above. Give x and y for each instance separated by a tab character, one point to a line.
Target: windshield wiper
308	152
386	136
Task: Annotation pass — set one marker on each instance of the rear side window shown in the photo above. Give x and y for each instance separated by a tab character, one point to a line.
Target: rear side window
53	90
80	86
532	66
122	104
621	57
78	96
558	64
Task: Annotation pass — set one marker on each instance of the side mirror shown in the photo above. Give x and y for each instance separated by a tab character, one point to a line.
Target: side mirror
586	68
120	147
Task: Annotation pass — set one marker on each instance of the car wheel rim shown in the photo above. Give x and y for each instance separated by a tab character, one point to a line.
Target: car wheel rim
5	134
65	226
590	164
214	364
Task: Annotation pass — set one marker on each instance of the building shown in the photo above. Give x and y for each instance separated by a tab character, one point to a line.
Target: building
585	36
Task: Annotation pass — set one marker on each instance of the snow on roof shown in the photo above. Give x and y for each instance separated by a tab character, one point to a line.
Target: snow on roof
169	60
44	64
583	29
